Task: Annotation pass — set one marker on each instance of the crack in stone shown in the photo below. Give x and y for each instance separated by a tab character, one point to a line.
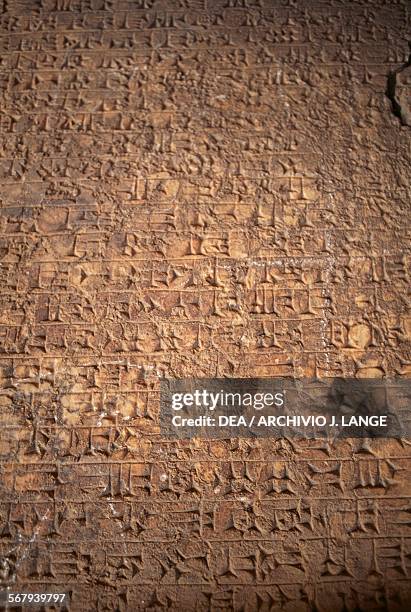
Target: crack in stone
400	106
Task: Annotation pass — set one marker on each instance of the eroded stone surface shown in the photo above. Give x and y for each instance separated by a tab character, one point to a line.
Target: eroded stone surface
199	188
403	94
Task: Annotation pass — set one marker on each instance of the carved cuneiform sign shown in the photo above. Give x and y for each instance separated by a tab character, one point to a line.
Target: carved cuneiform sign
199	188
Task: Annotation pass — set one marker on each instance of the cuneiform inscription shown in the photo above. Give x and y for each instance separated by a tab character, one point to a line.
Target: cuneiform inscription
199	188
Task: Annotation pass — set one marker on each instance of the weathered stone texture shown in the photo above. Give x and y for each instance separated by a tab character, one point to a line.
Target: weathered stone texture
199	188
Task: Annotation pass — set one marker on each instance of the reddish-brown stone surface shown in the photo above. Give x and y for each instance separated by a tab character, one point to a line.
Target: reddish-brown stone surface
199	188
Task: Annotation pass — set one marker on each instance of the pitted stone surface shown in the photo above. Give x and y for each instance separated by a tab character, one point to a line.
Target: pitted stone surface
403	94
199	188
